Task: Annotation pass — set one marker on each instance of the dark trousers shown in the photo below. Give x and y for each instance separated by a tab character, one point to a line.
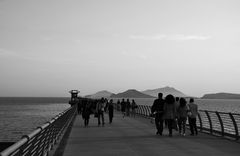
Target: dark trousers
182	124
159	123
86	121
193	125
100	116
110	117
170	125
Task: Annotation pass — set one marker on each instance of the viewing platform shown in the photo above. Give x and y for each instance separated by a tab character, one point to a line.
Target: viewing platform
66	135
136	136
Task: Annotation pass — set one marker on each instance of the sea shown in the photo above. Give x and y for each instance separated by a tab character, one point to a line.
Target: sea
20	116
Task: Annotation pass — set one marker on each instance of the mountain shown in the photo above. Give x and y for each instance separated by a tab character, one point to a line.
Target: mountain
166	90
100	94
131	93
221	96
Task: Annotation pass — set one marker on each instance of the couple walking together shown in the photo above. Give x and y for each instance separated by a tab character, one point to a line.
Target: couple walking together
101	106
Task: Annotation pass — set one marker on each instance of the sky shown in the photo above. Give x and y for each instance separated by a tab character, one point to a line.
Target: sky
48	47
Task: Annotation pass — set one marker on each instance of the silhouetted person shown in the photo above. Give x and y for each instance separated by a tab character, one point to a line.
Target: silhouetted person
175	123
106	104
157	109
134	107
123	107
170	112
177	102
100	110
192	117
118	105
79	106
110	110
128	106
182	111
86	111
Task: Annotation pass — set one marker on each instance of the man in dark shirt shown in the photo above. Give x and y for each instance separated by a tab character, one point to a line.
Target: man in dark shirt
157	109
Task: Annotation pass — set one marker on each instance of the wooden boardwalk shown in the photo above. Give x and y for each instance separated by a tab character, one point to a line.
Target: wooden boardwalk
136	136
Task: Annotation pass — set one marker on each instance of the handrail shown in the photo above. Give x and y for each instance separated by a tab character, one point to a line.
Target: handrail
41	140
212	122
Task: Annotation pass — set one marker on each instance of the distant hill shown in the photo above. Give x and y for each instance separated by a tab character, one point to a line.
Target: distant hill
221	96
131	93
100	94
165	90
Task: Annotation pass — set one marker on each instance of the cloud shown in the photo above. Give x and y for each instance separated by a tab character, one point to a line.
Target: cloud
188	37
17	55
135	55
142	37
47	38
143	56
4	52
179	37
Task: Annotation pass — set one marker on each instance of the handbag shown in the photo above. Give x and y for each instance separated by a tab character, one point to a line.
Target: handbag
189	113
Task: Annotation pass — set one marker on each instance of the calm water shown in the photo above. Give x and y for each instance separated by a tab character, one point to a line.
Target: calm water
20	116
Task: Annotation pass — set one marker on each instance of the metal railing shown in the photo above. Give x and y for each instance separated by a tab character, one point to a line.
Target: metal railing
212	122
41	141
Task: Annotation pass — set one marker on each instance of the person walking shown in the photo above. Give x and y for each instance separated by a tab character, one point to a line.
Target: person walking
175	123
80	105
110	110
192	117
100	111
118	105
157	110
134	107
86	111
170	112
128	106
182	111
123	107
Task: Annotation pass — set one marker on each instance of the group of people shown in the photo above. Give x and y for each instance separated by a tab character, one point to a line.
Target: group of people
174	112
127	108
98	107
86	107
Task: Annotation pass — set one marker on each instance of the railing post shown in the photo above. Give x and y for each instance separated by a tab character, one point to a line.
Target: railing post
221	122
141	111
235	126
145	110
148	111
24	145
210	121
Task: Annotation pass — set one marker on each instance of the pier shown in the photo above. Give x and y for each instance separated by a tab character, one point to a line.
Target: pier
66	135
136	136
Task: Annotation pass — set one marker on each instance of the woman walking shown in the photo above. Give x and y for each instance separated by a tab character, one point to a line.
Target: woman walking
134	106
110	111
100	111
123	107
86	111
182	111
170	112
128	106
